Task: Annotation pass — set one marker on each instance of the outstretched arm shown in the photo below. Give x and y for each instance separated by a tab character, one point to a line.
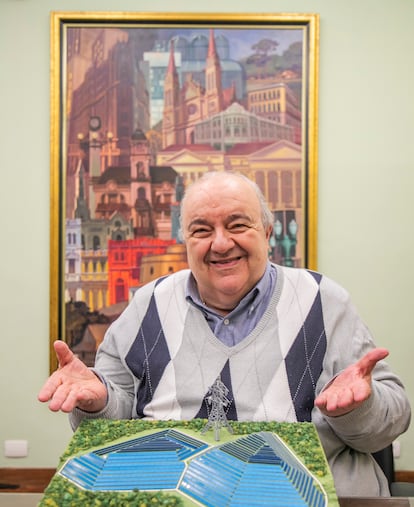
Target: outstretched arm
351	387
73	384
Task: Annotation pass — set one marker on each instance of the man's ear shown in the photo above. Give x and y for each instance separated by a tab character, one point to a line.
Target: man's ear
269	231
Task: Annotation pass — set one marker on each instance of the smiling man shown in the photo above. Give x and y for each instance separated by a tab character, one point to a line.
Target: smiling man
227	238
287	344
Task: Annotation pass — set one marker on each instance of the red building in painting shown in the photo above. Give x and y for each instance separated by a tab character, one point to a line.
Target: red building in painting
124	261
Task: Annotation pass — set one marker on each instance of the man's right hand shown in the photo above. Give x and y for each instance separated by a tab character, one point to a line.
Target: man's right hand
73	384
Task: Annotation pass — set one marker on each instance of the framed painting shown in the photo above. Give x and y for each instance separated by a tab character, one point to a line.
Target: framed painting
142	104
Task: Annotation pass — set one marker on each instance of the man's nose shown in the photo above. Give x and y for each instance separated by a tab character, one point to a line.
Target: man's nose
222	241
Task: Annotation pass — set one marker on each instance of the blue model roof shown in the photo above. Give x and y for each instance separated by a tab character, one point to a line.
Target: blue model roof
251	470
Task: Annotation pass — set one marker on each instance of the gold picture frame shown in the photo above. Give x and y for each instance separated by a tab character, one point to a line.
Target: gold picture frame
134	119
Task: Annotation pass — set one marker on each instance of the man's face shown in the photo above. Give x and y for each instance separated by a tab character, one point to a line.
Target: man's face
227	246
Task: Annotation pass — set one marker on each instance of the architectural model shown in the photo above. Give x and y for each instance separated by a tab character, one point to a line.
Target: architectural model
180	463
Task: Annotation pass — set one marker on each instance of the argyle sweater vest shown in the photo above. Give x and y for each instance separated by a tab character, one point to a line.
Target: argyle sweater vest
270	375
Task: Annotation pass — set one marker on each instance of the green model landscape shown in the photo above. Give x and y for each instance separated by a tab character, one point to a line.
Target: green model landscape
301	438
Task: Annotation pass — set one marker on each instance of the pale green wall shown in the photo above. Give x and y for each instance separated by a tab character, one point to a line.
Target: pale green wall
366	186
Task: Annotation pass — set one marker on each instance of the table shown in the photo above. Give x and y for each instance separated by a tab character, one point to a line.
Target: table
376	502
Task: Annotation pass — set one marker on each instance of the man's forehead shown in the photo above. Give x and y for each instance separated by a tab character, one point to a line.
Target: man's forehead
230	183
214	196
219	196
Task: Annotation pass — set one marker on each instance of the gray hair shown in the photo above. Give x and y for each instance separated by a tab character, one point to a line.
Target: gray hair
266	214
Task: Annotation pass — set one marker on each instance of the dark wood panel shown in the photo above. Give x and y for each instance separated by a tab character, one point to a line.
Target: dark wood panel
404	476
25	480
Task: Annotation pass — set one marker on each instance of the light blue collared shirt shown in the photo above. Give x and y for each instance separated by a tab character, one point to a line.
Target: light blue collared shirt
232	328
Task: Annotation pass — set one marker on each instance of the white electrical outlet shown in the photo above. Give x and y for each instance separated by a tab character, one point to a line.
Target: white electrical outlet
16	448
396	449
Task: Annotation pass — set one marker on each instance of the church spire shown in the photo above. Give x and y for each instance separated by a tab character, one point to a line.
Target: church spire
171	82
171	69
214	91
171	101
212	51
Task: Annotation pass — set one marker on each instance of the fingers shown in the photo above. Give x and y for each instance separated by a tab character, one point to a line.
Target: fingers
62	392
64	356
351	387
90	396
58	385
72	385
367	363
63	399
340	400
49	387
63	353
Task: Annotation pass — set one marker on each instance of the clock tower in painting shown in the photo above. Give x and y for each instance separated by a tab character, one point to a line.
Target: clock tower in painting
94	159
142	219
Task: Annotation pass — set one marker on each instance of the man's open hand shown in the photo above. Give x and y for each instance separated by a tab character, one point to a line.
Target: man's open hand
351	387
73	384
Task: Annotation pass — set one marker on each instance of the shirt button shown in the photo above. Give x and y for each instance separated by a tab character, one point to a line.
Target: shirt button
226	322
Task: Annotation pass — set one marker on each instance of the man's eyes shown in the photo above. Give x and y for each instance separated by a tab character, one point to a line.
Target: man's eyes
204	232
200	232
238	227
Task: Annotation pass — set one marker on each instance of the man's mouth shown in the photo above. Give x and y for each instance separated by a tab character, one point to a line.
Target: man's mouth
225	261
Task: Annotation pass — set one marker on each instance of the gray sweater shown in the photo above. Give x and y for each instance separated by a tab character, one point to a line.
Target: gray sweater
160	358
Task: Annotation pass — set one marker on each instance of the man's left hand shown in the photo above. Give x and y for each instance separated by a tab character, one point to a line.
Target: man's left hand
351	387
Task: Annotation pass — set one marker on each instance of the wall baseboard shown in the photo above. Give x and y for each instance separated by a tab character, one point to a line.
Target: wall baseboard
25	480
404	475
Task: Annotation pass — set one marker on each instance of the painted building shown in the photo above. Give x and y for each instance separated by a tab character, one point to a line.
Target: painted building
190	55
156	265
125	259
277	168
278	103
186	105
109	89
236	125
